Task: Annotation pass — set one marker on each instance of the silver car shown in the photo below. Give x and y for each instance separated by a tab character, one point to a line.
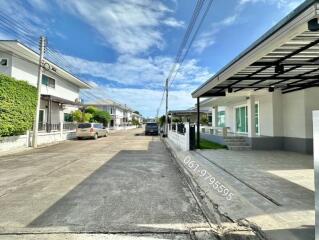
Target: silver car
91	130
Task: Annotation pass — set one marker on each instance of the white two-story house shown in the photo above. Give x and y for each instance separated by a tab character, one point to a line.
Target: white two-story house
121	114
60	90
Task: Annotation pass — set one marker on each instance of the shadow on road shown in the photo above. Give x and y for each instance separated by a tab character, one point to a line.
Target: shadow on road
134	191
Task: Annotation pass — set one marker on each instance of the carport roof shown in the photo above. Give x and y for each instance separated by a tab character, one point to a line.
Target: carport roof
285	57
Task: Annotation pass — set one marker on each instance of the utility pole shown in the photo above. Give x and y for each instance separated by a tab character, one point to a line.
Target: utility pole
166	108
36	119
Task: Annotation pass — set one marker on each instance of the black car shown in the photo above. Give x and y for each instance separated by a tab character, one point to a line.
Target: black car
151	129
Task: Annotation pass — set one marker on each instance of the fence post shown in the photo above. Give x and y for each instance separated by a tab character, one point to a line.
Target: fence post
315	117
186	125
61	130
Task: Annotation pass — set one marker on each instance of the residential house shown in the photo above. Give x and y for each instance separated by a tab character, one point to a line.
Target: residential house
137	116
122	115
267	94
190	115
60	90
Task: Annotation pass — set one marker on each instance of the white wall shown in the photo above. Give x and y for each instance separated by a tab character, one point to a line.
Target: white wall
180	140
312	104
288	115
6	69
266	115
24	70
293	105
23	141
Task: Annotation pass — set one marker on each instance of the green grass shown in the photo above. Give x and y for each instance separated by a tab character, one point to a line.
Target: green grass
205	144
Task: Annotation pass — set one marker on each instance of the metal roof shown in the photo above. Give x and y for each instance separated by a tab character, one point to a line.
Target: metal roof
285	57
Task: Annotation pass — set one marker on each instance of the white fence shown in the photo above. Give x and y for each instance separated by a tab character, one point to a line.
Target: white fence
316	165
23	141
179	139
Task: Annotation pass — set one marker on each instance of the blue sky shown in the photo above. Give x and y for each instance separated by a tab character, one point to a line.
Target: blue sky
125	49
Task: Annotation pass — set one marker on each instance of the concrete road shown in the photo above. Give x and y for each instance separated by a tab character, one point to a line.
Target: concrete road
124	184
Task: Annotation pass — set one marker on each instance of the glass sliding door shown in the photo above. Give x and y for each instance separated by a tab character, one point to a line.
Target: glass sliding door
242	119
221	119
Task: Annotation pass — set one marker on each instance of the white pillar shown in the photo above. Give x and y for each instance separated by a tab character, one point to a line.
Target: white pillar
251	117
28	138
315	115
215	117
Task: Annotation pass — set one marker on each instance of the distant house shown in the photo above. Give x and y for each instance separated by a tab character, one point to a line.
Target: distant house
190	115
122	115
60	89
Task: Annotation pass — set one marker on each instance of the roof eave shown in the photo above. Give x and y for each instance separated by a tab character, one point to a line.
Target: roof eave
305	12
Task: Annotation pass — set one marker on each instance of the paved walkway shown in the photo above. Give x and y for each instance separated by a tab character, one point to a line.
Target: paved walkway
125	183
272	189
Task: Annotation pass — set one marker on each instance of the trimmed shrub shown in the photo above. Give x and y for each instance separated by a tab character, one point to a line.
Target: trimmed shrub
18	101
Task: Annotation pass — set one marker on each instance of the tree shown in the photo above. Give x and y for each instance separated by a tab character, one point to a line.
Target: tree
102	117
98	115
177	120
161	120
137	112
135	122
81	117
204	120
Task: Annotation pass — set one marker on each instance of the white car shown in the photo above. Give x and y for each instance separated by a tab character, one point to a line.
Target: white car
91	130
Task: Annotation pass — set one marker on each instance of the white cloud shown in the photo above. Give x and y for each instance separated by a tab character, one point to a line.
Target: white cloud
207	38
136	71
172	22
146	101
39	4
143	80
23	24
286	5
129	26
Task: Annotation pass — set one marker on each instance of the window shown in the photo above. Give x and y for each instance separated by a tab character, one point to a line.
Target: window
84	125
48	81
41	116
3	62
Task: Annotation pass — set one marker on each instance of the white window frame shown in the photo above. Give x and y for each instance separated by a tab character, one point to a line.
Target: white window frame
258	116
7	62
234	112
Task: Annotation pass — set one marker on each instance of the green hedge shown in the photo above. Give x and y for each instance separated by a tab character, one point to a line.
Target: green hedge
18	102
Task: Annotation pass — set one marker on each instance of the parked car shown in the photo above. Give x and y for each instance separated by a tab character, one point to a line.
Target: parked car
91	130
151	129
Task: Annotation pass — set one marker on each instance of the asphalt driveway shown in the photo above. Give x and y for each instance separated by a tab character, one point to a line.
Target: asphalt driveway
125	183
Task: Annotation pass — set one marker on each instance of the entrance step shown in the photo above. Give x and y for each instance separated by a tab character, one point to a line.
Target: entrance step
239	148
237	143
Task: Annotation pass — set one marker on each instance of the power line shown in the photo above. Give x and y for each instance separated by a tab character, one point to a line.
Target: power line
193	38
196	12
